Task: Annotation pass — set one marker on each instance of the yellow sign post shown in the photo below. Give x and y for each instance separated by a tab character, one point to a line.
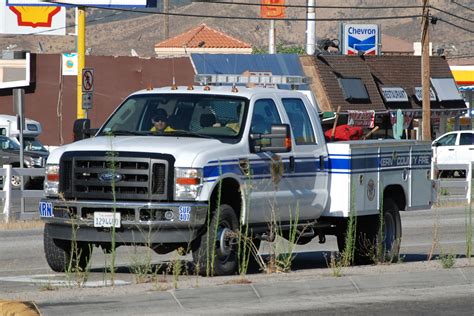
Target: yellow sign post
81	57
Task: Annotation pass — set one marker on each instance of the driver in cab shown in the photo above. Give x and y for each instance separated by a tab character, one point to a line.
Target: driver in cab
160	123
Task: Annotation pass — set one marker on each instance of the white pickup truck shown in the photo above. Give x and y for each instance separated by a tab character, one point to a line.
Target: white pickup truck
233	160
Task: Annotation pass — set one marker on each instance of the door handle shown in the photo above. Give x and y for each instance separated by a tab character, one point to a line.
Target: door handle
451	149
292	164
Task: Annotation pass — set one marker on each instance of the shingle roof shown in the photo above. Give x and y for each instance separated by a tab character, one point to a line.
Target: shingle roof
203	36
375	72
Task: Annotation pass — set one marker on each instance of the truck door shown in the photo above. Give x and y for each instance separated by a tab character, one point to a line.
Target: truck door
308	179
268	189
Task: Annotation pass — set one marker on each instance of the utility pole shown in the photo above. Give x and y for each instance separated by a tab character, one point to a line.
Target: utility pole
166	10
271	38
311	28
425	72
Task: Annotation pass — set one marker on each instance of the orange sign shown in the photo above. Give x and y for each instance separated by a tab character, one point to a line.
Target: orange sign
268	11
35	16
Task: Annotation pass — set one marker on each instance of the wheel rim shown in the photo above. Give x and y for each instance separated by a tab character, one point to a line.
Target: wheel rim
16	181
224	243
389	229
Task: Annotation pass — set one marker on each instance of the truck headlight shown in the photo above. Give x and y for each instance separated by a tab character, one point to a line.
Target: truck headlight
188	183
51	180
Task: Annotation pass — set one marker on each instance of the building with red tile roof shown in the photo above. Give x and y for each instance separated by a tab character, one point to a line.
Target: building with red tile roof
202	39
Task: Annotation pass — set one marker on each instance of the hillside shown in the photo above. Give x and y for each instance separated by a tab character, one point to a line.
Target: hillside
117	33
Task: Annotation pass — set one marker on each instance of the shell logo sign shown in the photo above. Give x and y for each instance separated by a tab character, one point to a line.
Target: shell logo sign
32	19
35	16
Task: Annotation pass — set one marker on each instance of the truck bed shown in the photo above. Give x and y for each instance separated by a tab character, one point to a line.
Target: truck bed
360	171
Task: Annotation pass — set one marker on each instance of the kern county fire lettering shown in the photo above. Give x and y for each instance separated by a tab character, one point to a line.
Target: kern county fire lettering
397	161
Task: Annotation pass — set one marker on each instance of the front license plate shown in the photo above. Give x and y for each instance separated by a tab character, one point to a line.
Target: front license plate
106	219
46	209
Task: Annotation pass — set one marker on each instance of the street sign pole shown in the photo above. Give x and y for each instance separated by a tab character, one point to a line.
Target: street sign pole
87	88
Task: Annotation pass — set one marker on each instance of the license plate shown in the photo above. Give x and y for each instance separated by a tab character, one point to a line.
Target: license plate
106	219
46	209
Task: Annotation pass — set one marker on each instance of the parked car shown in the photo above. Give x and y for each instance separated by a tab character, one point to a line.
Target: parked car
454	147
34	156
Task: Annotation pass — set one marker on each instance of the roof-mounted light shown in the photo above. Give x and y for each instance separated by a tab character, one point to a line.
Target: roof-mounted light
258	80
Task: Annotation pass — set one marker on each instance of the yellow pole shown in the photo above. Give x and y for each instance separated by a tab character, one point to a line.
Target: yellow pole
81	57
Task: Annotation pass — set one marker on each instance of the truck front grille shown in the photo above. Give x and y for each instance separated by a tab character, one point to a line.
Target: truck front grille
118	177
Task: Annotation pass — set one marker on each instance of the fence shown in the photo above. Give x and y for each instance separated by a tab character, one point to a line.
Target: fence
8	195
456	189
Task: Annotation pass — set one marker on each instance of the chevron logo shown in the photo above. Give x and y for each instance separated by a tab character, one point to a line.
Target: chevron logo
361	38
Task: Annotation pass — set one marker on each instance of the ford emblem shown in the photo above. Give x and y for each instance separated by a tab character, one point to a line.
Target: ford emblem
110	177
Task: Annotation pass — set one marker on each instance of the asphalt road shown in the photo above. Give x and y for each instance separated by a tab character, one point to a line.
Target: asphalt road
415	286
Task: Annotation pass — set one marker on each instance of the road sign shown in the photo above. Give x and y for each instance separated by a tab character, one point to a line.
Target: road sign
361	39
87	101
87	80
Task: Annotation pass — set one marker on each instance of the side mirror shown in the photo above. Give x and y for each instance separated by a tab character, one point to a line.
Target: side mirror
435	144
278	141
82	129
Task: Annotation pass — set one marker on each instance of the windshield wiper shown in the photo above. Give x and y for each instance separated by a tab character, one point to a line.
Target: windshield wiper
121	132
183	133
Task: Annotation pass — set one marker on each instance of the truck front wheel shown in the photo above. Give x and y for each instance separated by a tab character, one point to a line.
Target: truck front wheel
62	257
215	251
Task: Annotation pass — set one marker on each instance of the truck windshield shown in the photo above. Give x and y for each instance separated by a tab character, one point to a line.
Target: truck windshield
32	144
8	144
193	115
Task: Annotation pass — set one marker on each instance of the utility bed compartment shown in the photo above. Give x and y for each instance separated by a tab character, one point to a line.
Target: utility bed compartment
361	171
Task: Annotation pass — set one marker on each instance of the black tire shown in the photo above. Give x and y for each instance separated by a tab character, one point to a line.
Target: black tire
208	255
367	241
58	253
392	230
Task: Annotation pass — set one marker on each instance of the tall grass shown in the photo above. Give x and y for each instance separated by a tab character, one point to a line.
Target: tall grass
469	230
112	167
351	233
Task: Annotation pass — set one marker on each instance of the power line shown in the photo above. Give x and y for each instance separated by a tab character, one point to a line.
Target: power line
254	18
462	5
93	21
259	19
459	56
455	25
315	6
451	14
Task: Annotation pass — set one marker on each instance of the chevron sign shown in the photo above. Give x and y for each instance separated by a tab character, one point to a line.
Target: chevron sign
361	38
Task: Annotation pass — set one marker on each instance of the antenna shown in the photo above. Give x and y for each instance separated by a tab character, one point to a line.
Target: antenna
172	70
